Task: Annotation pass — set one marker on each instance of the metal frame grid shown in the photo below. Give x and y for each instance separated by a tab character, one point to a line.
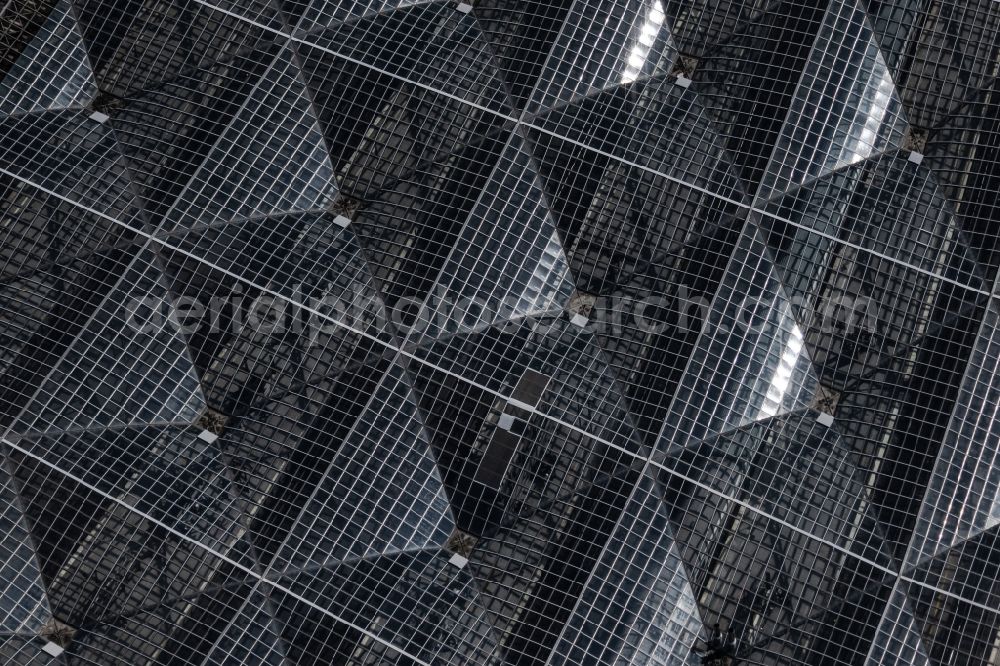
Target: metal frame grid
578	332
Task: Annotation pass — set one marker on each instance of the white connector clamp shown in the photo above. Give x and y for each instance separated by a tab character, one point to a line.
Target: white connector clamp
506	422
52	649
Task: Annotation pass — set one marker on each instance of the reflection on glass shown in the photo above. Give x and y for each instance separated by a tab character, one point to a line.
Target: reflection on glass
644	42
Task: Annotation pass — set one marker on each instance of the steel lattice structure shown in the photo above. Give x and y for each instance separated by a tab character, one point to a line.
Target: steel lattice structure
563	332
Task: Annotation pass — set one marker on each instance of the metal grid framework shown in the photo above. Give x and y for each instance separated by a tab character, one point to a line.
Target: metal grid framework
564	332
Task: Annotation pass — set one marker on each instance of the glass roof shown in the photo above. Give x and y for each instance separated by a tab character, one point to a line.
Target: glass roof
501	332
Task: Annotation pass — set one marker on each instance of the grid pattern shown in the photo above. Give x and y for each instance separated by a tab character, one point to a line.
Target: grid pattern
499	332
